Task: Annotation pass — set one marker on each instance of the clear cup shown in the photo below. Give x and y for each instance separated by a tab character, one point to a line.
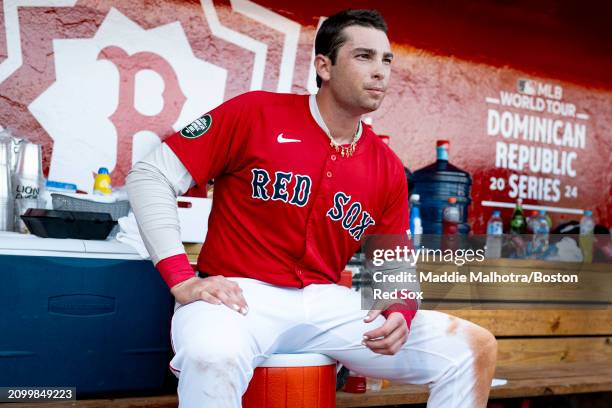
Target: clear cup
374	384
6	215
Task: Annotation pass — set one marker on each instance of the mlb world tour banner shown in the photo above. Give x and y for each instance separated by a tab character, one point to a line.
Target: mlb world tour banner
539	138
102	83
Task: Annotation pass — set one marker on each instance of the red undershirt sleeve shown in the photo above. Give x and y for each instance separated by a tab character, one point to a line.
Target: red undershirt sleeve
175	269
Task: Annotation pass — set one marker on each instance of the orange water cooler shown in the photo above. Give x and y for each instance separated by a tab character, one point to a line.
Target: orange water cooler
293	381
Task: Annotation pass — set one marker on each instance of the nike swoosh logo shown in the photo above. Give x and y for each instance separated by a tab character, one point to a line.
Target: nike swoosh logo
281	139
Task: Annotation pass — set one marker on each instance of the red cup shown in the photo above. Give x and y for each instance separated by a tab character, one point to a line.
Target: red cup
355	384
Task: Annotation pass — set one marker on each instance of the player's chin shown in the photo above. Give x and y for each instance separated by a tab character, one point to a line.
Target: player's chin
370	105
374	101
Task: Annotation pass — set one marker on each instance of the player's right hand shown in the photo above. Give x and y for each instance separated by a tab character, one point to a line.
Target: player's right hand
212	289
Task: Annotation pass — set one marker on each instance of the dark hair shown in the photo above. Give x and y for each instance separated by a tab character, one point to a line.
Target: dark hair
330	37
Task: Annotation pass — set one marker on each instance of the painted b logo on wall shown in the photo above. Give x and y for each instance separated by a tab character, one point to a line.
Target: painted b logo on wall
118	94
126	118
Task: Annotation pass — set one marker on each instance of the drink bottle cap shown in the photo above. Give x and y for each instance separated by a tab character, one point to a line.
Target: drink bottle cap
542	212
415	197
102	170
442	148
519	201
588	213
452	200
496	213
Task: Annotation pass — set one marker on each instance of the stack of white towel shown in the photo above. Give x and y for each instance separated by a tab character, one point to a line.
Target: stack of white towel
130	234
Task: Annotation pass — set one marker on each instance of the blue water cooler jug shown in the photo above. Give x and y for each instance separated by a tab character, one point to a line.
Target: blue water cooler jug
437	182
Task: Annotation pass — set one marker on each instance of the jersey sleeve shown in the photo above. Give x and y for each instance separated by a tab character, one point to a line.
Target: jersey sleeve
212	144
395	216
396	222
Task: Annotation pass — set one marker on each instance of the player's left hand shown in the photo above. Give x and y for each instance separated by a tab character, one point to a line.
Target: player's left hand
388	338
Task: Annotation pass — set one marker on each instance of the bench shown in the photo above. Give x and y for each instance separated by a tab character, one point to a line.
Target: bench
543	351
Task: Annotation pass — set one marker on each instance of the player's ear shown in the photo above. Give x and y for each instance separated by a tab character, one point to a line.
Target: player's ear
323	66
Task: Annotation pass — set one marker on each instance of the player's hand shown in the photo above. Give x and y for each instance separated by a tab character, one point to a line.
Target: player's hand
388	338
212	289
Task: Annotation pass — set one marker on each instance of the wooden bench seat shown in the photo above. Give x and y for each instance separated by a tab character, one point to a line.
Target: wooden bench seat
572	378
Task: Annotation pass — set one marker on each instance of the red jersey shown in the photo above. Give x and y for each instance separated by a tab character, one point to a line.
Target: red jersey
287	209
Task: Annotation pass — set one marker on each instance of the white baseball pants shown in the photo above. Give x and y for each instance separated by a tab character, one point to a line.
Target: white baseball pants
217	349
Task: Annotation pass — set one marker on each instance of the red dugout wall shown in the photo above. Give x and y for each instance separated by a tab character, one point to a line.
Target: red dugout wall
522	90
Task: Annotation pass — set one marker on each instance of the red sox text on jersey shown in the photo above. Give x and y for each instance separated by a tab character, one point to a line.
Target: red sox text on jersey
300	194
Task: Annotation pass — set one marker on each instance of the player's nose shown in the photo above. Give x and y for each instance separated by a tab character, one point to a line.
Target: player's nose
380	70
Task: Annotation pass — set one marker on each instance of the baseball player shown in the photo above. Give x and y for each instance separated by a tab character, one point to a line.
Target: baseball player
299	182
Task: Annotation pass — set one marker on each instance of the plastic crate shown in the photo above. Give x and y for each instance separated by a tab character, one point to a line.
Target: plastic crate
117	209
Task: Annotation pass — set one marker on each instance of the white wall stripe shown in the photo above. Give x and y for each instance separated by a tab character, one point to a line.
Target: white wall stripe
260	49
289	28
311	84
13	32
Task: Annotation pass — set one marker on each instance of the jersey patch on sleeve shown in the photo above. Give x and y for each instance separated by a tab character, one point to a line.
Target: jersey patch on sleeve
198	127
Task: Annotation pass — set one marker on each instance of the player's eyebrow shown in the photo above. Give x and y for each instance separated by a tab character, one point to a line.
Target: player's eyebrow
370	51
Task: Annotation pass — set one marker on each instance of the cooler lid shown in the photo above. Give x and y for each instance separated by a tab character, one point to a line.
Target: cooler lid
297	360
111	246
13	243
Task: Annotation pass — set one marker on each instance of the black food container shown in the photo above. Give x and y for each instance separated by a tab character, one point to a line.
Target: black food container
68	224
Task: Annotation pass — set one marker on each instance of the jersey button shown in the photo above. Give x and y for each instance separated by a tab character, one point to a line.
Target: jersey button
333	157
329	174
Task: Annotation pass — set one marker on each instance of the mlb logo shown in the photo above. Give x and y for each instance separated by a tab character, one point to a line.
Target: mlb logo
526	86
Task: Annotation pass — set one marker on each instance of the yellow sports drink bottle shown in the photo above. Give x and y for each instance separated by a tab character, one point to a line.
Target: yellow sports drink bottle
102	182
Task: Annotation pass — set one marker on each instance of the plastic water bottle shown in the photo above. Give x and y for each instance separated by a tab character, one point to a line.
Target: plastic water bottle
495	231
531	221
541	231
587	226
451	217
416	225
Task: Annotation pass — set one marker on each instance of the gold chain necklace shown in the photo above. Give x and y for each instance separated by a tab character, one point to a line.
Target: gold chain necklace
345	151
